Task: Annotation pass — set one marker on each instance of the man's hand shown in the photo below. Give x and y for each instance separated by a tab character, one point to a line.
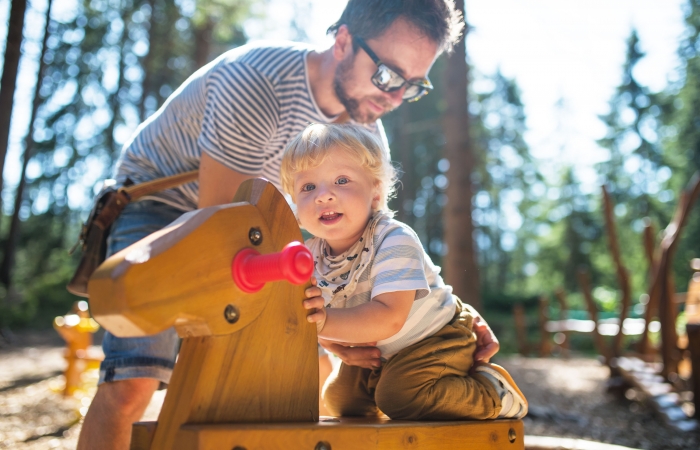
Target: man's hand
486	342
362	355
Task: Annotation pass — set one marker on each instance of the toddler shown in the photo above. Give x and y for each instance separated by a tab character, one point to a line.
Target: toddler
375	283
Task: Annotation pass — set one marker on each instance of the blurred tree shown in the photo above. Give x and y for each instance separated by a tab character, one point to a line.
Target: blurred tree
11	241
108	66
571	227
460	261
636	171
416	141
13	46
508	188
681	135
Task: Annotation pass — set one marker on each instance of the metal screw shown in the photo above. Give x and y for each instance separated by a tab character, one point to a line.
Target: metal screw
255	236
322	445
231	314
512	435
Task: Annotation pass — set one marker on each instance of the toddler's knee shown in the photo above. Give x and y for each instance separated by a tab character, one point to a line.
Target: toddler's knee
399	404
337	401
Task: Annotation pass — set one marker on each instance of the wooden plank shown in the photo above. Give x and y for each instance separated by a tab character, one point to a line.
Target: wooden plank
605	327
355	434
142	435
657	392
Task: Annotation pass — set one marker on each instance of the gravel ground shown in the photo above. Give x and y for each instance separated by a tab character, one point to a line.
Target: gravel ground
567	397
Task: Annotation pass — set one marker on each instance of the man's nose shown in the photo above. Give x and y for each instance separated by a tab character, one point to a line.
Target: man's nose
396	97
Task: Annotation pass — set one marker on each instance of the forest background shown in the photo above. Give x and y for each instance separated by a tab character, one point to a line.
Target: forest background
107	65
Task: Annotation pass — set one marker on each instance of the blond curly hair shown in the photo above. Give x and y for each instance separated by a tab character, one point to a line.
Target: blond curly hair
313	145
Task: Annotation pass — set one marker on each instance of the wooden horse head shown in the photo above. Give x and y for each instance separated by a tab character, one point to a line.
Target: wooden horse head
246	357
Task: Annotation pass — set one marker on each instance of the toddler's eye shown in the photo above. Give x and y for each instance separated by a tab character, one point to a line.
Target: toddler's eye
342	180
308	187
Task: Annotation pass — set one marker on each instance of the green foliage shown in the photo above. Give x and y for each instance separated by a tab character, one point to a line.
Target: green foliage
114	63
110	65
416	141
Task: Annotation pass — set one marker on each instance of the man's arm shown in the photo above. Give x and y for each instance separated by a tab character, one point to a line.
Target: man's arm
217	183
368	357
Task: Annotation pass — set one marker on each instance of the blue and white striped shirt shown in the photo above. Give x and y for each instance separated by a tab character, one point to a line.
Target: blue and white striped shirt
241	109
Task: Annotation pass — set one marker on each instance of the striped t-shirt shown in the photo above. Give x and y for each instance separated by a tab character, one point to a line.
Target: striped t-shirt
241	109
399	263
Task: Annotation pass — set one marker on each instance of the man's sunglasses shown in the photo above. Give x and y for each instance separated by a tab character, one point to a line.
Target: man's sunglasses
387	80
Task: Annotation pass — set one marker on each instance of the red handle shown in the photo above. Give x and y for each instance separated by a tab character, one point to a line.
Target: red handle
251	270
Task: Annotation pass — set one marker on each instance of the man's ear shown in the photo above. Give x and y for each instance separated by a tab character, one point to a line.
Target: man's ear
343	43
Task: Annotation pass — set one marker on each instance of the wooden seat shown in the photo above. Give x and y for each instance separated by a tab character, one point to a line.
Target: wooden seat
247	373
344	434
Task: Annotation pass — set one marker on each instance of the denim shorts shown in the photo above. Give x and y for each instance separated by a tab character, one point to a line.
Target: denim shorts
141	357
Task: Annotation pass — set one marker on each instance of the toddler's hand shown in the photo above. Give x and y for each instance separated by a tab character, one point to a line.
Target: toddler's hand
316	304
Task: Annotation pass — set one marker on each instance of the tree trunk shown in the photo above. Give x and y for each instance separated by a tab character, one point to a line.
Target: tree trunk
13	234
114	103
460	265
147	63
402	147
9	76
203	36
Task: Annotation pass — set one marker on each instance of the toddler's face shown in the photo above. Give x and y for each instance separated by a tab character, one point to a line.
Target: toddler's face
335	200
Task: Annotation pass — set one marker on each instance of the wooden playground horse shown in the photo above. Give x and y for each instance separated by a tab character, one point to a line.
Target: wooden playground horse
247	372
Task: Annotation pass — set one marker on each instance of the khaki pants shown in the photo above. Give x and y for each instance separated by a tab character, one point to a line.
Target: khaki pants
428	380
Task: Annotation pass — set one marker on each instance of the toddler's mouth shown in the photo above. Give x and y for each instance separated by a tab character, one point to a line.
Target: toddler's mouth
330	215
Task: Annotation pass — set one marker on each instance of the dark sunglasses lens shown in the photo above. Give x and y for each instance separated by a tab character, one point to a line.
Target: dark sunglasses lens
414	92
382	78
387	80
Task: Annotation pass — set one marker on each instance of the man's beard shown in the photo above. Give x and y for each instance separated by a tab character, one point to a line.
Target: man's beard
352	105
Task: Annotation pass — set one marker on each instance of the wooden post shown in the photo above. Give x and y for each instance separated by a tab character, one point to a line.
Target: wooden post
521	328
598	341
692	314
645	348
622	275
545	344
560	295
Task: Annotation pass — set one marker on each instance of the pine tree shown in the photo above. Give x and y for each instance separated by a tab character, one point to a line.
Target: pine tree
8	81
107	68
681	134
505	179
636	170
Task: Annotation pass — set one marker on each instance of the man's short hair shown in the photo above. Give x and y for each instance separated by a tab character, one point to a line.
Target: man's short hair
437	19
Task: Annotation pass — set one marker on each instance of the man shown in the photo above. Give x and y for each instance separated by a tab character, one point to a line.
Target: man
232	119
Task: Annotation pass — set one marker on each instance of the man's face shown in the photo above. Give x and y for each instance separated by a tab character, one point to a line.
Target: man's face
404	49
